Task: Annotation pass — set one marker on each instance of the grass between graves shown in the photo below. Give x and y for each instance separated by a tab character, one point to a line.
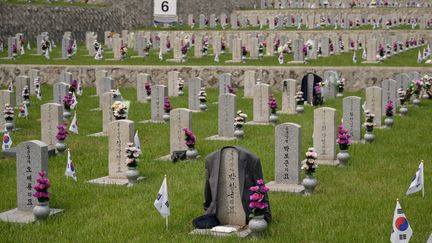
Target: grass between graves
352	204
54	3
405	59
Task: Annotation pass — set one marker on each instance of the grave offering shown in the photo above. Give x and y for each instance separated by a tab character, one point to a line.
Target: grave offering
369	124
309	167
31	158
344	143
287	159
239	122
228	196
7	100
132	154
299	102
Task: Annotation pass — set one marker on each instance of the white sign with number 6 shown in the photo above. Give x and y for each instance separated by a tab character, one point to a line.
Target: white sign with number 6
165	7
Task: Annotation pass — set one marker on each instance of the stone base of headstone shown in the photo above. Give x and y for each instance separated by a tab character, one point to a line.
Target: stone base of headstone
112	59
279	187
96	109
98	134
327	162
242	233
112	181
152	121
297	62
220	138
23	217
173	60
286	113
51	150
430	239
168	158
13	130
252	123
358	141
9	152
233	61
370	62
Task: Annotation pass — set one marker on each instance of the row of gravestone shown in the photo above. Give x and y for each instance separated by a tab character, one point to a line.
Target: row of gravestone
278	20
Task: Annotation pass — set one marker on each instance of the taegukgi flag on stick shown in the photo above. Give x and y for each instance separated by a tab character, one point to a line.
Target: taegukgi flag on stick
7	141
417	183
354	58
70	169
137	141
161	202
401	229
73	126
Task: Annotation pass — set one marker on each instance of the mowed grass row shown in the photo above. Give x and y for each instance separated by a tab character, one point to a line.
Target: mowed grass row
352	204
404	59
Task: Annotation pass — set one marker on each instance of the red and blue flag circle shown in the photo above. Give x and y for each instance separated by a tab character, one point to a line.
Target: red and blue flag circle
6	139
401	224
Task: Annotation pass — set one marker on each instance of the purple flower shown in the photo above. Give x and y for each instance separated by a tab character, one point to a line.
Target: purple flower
61	132
273	104
147	87
254	188
167	105
189	137
260	182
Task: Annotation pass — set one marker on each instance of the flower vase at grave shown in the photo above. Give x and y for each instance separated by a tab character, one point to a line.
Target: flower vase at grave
369	137
26	101
273	118
426	96
9	125
191	153
257	224
300	109
239	133
343	155
41	211
416	101
67	113
309	183
61	146
339	95
148	98
203	106
166	117
403	110
388	122
180	92
132	175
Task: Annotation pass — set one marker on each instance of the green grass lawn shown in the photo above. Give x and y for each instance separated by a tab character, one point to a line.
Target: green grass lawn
58	3
352	204
406	59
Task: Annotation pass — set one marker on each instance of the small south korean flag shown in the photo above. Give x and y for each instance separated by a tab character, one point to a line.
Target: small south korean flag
354	59
281	58
70	169
216	58
160	55
74	126
401	229
7	141
161	202
364	55
417	183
